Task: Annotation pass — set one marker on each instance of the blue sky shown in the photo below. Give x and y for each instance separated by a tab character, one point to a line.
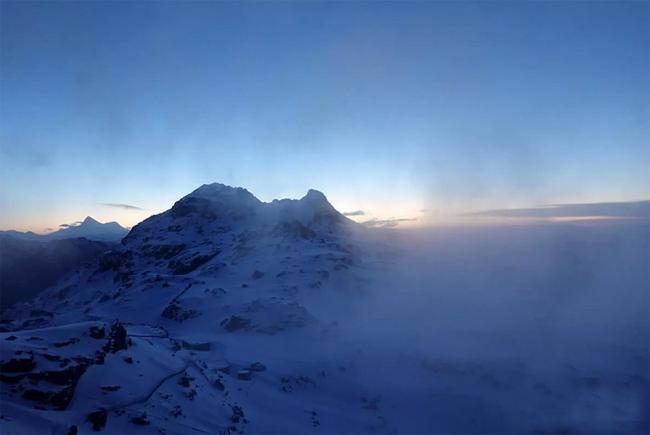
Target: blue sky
389	107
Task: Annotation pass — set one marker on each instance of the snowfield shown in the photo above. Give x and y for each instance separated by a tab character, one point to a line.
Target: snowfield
228	315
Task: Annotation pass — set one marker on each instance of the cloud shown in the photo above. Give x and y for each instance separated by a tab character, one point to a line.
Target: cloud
73	224
122	206
634	209
386	223
354	213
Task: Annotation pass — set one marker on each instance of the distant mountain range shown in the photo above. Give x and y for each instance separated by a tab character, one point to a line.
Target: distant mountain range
89	229
30	262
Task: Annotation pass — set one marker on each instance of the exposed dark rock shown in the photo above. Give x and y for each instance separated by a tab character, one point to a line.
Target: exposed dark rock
191	394
173	311
98	419
141	420
225	369
62	399
67	376
10	379
219	385
245	375
59	399
73	340
117	338
115	260
11	338
184	267
162	252
111	388
257	274
72	430
97	332
176	412
37	395
195	346
193	205
124	277
184	381
21	364
40	313
289	382
235	323
257	367
99	357
33	323
237	414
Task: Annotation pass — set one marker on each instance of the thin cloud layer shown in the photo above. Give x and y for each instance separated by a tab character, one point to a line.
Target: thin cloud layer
635	209
73	224
122	206
354	213
386	223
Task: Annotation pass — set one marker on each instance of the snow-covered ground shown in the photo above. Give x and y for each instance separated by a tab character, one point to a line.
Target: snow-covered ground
228	315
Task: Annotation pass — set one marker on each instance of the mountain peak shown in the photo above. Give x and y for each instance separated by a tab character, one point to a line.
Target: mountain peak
91	229
89	221
317	201
224	193
217	208
315	196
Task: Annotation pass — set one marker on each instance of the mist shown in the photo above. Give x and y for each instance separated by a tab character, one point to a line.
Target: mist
530	328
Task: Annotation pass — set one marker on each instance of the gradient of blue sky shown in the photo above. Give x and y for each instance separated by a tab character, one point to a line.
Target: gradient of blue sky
387	107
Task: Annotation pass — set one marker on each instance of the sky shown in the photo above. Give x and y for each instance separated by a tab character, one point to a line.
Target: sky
396	110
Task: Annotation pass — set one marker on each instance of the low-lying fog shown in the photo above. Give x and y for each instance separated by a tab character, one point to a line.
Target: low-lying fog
540	327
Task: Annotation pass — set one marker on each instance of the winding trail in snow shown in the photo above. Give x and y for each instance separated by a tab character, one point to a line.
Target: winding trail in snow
148	395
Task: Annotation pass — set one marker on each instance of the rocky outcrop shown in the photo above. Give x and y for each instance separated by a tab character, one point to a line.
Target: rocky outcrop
183	267
174	311
98	419
23	363
117	338
49	378
235	323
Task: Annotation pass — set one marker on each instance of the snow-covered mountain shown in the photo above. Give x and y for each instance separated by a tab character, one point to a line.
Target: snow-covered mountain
206	300
89	229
